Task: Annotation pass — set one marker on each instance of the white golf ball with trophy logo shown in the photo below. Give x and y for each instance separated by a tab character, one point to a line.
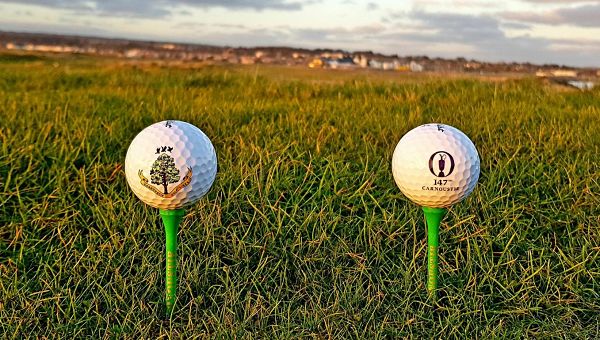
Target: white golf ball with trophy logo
435	165
170	164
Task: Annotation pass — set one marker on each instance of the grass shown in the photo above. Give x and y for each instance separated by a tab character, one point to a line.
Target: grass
304	233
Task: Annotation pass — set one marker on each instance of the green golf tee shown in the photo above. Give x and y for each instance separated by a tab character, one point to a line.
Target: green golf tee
171	220
434	217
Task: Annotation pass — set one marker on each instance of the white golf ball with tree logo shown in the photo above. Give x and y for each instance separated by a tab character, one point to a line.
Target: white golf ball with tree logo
170	164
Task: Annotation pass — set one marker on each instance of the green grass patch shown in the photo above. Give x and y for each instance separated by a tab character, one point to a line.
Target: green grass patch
304	233
20	58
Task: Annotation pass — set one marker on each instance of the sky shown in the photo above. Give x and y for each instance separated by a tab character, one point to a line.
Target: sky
538	31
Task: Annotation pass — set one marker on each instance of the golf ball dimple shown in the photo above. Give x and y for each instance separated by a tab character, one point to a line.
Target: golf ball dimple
435	165
170	164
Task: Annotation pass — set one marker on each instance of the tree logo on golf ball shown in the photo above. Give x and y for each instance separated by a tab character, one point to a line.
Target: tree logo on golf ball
164	172
437	168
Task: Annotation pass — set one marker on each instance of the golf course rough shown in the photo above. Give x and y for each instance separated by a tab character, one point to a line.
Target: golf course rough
303	234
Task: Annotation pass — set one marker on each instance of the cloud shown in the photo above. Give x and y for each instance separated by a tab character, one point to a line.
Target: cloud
584	16
371	6
461	27
437	34
193	25
580	45
244	4
547	2
138	8
419	32
241	38
62	28
159	8
476	36
337	34
486	36
457	4
515	25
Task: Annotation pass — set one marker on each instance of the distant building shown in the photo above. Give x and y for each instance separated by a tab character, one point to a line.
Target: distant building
328	55
376	64
472	65
391	65
341	63
316	63
247	60
297	55
361	61
402	68
133	53
415	67
563	73
582	85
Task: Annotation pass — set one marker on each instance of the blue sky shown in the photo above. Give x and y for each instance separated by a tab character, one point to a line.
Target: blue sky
539	31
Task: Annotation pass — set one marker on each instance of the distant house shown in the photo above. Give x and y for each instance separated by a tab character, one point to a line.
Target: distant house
361	60
376	64
563	73
582	85
396	65
335	55
297	55
316	63
392	65
133	53
247	60
387	65
556	73
341	63
415	67
232	59
472	65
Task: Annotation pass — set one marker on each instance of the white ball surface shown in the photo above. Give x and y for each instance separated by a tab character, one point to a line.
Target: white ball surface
170	164
435	165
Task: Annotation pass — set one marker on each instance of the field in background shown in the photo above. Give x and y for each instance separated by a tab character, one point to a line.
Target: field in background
304	233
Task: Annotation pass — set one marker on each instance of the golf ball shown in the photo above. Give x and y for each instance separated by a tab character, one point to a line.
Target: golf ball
435	165
170	164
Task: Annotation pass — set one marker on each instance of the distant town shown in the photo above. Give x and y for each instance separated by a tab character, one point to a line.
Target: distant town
582	78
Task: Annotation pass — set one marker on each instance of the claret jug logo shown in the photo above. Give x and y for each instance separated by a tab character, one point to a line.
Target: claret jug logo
163	173
441	164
